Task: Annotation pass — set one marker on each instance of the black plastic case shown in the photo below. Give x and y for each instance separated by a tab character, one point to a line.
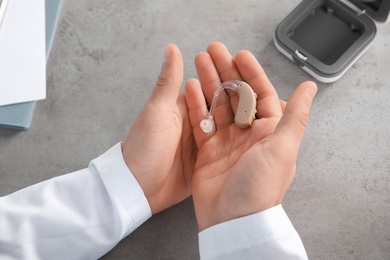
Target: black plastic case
326	37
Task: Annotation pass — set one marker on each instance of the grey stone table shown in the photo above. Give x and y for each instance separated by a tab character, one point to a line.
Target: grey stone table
104	62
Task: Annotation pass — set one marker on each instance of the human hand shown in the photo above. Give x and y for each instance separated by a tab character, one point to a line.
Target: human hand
160	149
239	172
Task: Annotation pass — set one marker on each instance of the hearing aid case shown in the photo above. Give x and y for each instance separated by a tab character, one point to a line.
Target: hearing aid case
326	37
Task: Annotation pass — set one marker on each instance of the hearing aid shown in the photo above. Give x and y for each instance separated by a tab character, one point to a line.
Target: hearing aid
246	109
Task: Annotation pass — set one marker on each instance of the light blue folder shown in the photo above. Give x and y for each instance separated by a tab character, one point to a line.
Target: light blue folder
19	116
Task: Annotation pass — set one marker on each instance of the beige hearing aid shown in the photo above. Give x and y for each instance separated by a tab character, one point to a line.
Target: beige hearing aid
246	110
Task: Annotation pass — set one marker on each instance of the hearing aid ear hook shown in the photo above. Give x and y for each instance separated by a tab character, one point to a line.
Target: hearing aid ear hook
246	109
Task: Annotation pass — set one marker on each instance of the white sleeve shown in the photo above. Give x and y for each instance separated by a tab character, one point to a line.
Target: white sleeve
81	215
265	235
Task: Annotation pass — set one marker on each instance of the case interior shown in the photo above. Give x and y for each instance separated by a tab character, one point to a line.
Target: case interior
326	32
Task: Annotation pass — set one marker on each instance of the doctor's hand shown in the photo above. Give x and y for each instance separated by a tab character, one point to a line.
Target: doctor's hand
239	172
160	148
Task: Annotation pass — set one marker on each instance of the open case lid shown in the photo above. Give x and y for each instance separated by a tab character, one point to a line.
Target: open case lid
376	9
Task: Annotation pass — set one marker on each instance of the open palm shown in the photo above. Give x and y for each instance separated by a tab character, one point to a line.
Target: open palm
242	171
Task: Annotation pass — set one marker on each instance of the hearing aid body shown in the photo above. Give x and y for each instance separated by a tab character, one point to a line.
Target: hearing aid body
246	109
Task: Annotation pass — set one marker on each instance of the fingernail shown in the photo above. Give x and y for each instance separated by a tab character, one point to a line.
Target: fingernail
312	90
167	53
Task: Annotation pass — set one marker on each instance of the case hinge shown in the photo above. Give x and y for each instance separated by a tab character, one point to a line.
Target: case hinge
353	7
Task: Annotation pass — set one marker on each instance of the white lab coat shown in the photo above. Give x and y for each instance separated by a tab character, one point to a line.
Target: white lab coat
84	214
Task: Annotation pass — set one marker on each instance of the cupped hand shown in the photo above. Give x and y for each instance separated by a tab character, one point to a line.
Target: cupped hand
239	172
160	149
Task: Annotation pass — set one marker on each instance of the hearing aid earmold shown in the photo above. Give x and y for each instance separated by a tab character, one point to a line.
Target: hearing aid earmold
246	109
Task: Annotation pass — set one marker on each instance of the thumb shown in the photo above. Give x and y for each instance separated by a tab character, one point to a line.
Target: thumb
291	127
168	84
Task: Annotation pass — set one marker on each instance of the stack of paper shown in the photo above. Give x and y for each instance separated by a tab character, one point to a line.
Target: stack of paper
3	5
23	52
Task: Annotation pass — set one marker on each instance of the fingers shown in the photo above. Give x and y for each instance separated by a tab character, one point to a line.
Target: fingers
210	81
197	110
289	131
268	104
283	105
168	84
223	61
243	67
226	68
208	75
217	65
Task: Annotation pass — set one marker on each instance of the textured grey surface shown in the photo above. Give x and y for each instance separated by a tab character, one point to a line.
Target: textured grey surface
105	59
